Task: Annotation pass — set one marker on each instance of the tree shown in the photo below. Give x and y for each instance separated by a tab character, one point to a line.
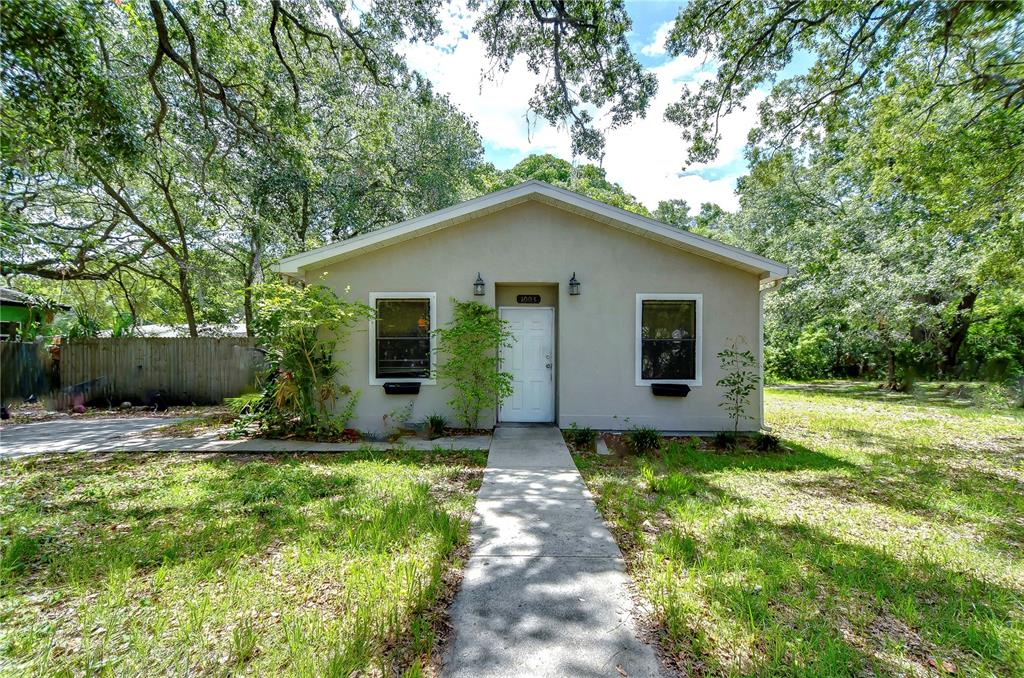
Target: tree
959	50
217	141
587	179
582	47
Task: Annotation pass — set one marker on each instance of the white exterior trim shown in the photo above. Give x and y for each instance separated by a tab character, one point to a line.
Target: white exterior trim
698	348
432	297
533	190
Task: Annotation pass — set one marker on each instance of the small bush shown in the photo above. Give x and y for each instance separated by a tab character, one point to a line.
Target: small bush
642	439
581	438
724	440
436	424
767	442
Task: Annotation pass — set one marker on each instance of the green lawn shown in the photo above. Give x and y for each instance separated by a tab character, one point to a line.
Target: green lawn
888	539
215	565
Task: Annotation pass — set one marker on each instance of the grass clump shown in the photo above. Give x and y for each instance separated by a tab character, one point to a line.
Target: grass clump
642	439
580	438
436	424
885	538
135	564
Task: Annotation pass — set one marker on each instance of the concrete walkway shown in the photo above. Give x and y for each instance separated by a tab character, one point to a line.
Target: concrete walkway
545	590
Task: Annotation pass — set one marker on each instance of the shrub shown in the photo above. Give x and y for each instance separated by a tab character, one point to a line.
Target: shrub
724	440
582	438
436	424
739	381
301	328
766	442
642	439
471	342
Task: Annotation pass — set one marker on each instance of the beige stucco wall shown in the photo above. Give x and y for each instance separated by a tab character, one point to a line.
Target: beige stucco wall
595	335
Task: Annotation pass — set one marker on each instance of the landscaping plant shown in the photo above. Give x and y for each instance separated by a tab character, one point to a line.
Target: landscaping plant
436	424
642	439
740	380
580	438
470	344
301	329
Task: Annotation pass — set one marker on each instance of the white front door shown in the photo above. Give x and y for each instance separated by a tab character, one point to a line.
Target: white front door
531	361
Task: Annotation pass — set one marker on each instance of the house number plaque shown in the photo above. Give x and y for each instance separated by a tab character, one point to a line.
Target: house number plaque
527	298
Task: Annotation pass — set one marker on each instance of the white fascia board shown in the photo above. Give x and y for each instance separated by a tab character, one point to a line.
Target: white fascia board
559	197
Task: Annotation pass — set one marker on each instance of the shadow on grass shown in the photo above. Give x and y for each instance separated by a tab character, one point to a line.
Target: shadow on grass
816	605
796	458
79	516
969	396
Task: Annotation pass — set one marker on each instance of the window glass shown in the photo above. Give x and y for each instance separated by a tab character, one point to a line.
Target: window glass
668	335
403	338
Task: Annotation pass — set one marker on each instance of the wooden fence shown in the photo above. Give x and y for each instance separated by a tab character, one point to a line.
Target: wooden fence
25	370
143	369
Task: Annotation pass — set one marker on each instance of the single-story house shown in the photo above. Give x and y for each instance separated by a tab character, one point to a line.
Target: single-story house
612	313
18	311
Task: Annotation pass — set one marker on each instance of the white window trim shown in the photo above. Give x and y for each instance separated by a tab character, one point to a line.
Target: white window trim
432	297
698	346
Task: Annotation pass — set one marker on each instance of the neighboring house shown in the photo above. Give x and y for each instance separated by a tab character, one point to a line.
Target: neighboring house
608	309
170	331
19	310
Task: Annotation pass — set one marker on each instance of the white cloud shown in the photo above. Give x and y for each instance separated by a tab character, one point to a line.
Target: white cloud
645	156
657	45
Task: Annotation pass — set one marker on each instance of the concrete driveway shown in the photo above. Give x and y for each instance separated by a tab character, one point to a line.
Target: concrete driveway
73	434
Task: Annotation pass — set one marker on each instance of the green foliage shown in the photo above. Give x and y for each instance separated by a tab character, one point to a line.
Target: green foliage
740	369
436	424
812	356
589	180
580	437
964	52
582	49
767	442
302	328
470	344
642	439
724	440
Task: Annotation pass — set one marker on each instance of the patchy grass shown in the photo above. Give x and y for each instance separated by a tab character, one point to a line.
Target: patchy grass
888	538
190	427
205	564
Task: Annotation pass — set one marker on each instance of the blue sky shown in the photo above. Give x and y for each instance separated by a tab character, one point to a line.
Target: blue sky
646	156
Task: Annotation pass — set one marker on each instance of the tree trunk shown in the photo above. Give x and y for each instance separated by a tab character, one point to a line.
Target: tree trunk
253	276
890	370
956	333
185	293
247	303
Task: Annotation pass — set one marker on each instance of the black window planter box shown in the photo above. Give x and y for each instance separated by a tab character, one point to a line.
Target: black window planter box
670	390
401	387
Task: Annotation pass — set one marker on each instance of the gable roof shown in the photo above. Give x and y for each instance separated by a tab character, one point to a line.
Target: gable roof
543	192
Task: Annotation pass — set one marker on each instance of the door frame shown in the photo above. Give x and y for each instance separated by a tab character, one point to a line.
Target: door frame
554	359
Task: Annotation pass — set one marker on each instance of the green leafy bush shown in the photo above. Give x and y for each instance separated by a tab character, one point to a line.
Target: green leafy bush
642	439
436	425
471	342
301	328
766	442
724	440
581	438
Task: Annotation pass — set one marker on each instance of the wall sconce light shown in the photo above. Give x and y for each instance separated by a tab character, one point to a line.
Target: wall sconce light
478	286
574	285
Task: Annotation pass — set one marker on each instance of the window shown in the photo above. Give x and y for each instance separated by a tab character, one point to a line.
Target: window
668	339
9	331
401	345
